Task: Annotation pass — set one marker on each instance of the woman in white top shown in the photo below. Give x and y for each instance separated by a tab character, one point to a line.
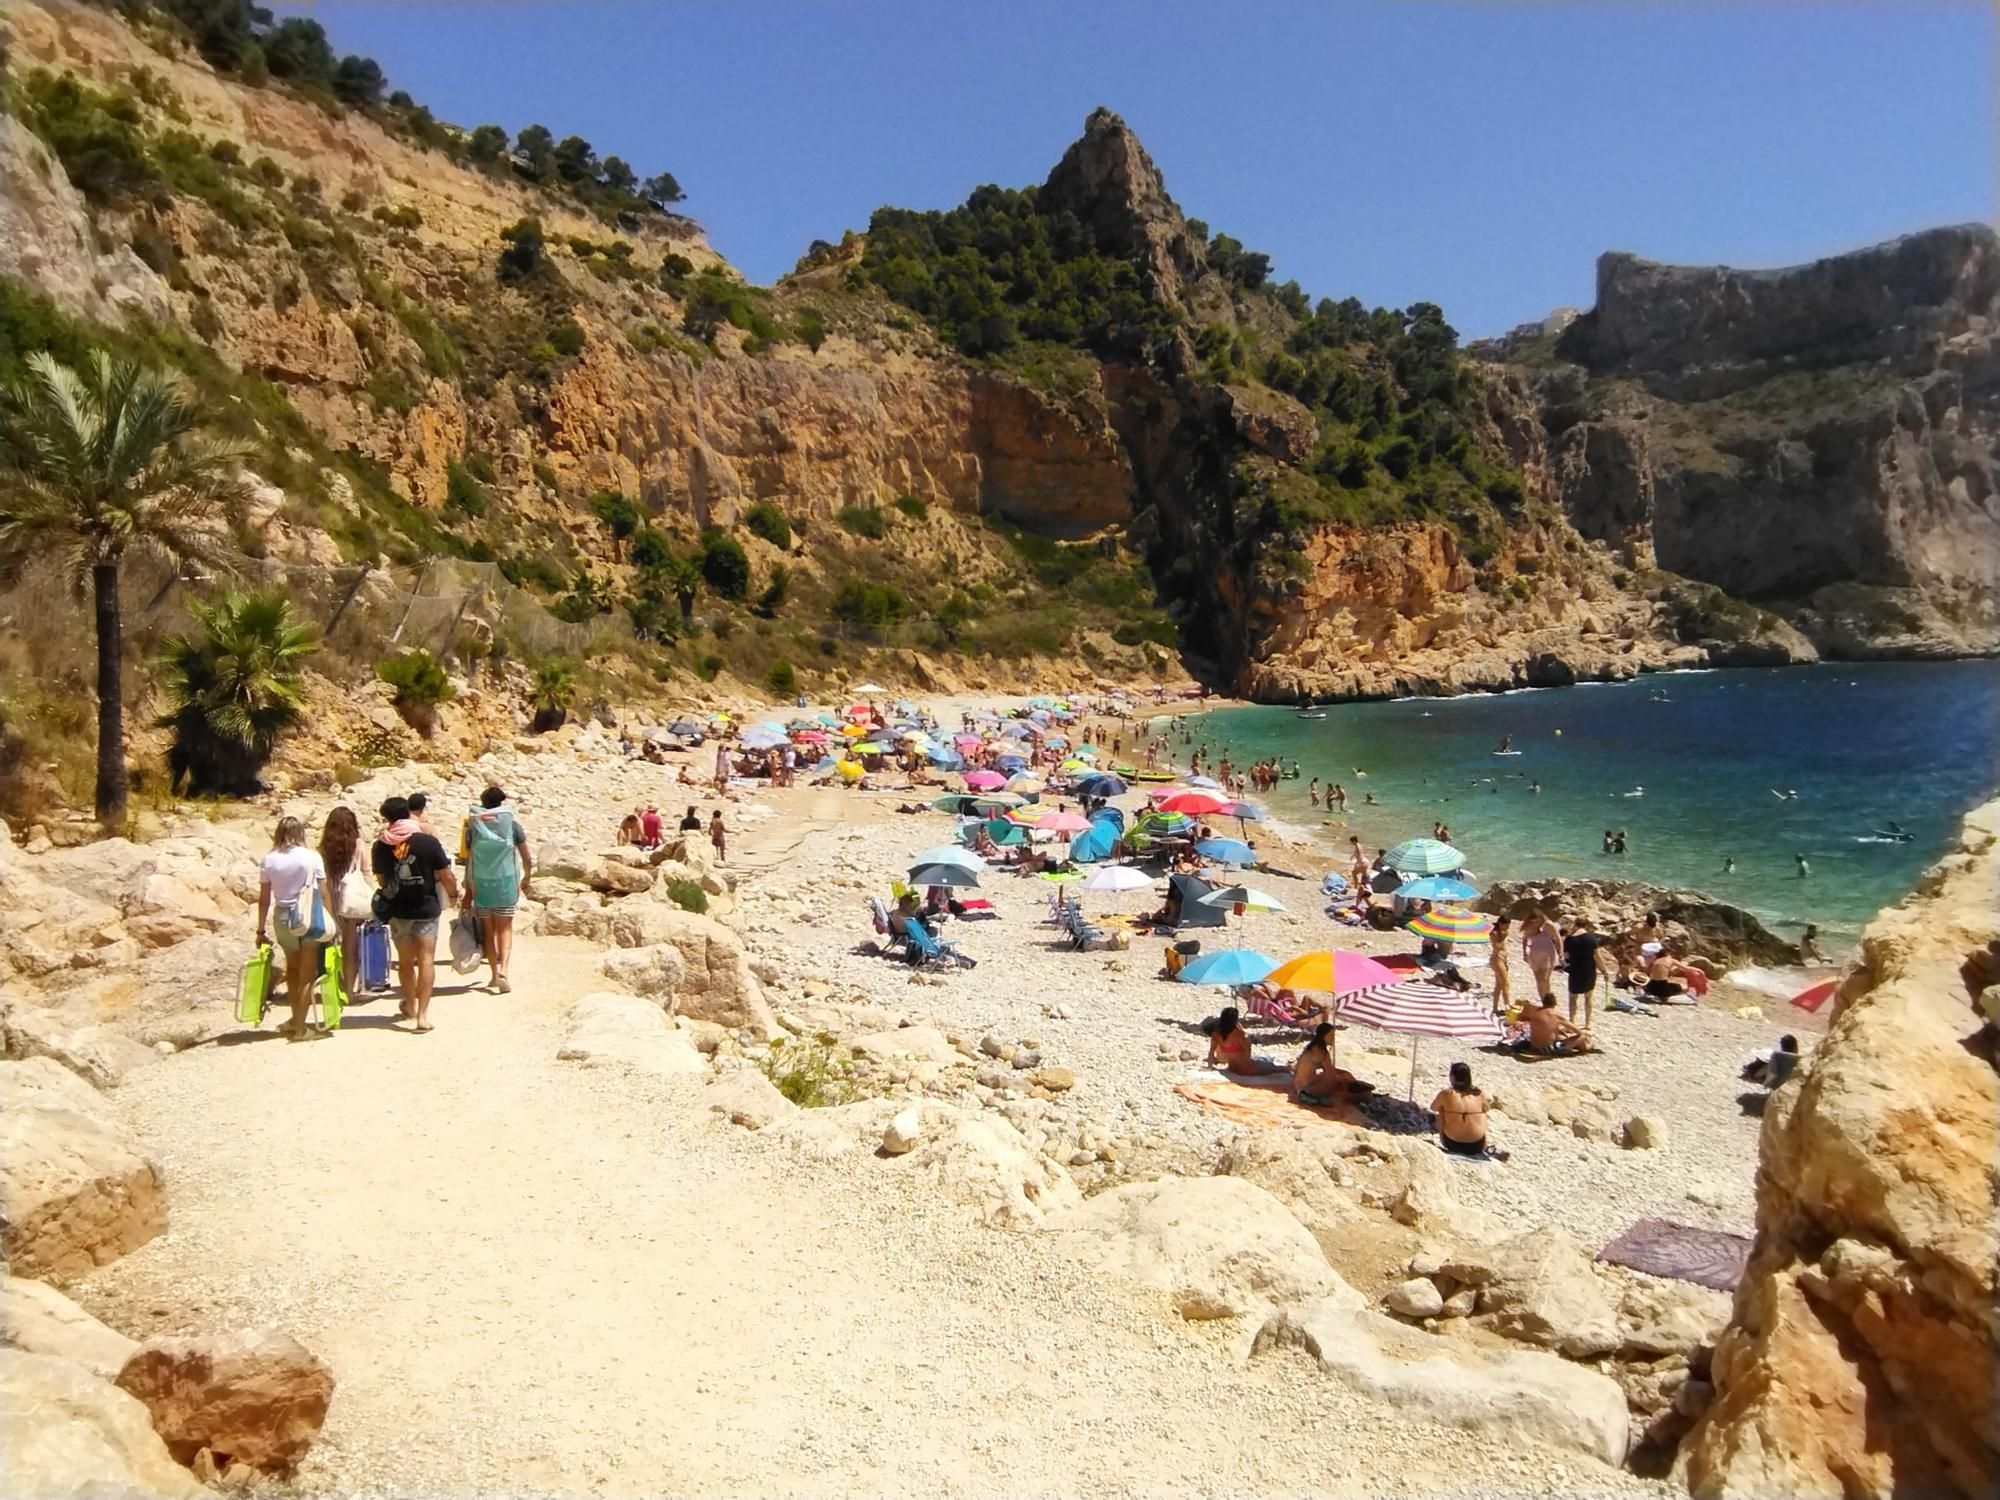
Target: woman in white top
294	907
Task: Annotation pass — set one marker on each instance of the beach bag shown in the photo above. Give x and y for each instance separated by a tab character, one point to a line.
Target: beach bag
490	858
308	924
404	870
465	951
374	946
353	896
253	986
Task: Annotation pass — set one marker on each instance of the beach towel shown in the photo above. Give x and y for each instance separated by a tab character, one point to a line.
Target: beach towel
1264	1103
488	846
1707	1257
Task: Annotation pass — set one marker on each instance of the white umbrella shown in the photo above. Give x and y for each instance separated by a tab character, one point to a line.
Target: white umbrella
1116	878
871	687
1245	896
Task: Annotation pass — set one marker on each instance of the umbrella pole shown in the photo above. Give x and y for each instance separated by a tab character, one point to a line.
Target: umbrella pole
1411	1093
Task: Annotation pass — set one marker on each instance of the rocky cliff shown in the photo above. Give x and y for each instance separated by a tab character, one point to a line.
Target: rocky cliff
1822	440
1860	1357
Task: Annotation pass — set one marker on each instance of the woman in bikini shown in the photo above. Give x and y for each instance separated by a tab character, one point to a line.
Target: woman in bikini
1541	946
1229	1046
1503	990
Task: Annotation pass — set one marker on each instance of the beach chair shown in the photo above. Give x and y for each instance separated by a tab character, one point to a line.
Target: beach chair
895	942
934	953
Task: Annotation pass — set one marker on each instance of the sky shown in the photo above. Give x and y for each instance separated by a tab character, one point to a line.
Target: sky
1476	155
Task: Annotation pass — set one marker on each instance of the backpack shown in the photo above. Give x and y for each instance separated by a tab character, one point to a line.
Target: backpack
489	856
404	872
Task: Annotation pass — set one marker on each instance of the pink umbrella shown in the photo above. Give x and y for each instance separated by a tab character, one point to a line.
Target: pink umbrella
984	781
1194	804
1063	822
967	741
1421	1009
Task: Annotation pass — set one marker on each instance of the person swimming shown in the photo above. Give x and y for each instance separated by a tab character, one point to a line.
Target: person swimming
1804	868
1729	864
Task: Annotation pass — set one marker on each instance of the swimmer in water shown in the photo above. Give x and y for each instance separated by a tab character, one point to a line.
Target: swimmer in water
1729	864
1534	786
1809	946
1804	868
1506	743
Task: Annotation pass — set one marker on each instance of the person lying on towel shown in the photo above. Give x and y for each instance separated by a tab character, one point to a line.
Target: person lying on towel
1315	1079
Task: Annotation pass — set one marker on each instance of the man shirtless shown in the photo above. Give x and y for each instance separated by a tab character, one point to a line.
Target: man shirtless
1552	1034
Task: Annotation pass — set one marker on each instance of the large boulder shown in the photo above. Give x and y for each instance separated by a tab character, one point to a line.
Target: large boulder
717	984
101	1055
1304	1169
1218	1247
75	1192
38	1319
626	1031
969	1156
68	1435
748	1098
43	1082
1860	1355
1506	1394
1541	1289
919	1044
256	1397
654	972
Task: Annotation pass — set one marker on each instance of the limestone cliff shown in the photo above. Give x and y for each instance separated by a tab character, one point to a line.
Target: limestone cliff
1823	440
1860	1357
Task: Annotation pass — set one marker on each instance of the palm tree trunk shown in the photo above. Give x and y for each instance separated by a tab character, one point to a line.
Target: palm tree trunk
110	695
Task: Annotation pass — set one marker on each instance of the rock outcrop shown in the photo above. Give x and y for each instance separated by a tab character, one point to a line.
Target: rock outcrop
1694	924
67	1433
626	1031
37	1319
75	1192
1823	439
1860	1356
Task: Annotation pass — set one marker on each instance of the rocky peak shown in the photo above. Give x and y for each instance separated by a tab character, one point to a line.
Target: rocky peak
1898	301
1109	182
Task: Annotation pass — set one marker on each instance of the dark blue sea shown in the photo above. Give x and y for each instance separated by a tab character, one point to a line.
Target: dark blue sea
1689	765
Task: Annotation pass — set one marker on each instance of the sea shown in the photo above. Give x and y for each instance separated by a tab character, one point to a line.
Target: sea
1695	769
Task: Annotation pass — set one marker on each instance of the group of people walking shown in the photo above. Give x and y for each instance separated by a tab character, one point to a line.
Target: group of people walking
310	900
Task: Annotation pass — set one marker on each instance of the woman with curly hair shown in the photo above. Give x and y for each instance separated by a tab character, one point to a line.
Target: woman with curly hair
340	852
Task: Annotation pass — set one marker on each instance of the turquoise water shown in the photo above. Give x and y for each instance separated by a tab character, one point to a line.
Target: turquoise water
1863	745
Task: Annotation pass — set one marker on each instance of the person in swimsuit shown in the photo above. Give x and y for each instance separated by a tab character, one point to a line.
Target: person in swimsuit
1503	997
1550	1035
1460	1115
1541	946
1315	1079
1229	1046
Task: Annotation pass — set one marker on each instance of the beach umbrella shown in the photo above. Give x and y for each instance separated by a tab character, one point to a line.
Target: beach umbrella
997	802
1437	888
684	726
1244	812
947	760
1199	804
1073	765
1158	822
1334	970
1246	896
1811	998
967	741
1011	763
1094	843
984	781
1206	783
1424	857
954	802
850	770
943	874
1025	786
1230	966
1117	878
948	854
1055	739
1100	784
1451	924
871	687
1004	832
1421	1009
797	724
1226	851
1062	822
854	731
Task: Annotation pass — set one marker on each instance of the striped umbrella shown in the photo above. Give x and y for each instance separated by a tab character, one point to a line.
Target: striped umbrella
1452	924
1424	857
1421	1009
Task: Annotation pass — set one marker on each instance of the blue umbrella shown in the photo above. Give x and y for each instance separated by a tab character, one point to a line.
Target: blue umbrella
1095	843
1424	857
1229	966
763	739
1244	812
1437	888
944	874
949	854
1227	851
1100	784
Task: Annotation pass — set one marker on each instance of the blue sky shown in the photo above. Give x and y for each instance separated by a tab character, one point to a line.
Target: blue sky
1475	155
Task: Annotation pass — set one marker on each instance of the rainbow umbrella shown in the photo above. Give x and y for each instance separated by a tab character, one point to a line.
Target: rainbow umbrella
1452	924
1424	857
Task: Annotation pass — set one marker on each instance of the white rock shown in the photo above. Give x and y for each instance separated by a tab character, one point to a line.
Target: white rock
1646	1132
1218	1246
1416	1298
75	1192
748	1098
38	1319
909	1044
903	1132
655	971
624	1030
66	1433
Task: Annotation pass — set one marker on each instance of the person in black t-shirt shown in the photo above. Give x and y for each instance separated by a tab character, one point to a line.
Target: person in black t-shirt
1580	958
416	879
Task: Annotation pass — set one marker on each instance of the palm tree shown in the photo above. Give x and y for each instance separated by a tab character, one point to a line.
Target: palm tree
682	578
234	690
555	686
101	462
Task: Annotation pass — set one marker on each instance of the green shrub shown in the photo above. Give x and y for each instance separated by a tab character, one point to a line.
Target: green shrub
388	390
708	668
462	490
776	590
536	573
864	520
765	520
687	894
912	507
874	605
810	329
782	679
725	568
421	685
809	1072
567	338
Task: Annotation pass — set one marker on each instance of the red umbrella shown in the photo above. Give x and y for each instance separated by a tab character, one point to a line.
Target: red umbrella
1194	804
1814	996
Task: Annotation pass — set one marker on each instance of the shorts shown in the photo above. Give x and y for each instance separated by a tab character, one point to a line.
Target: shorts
1307	1096
290	942
480	913
1662	989
404	929
1462	1148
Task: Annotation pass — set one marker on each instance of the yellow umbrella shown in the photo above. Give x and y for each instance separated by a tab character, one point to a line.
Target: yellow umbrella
853	731
1333	970
850	770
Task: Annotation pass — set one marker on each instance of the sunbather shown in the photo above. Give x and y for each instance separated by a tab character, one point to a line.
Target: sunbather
1551	1034
1315	1079
1229	1046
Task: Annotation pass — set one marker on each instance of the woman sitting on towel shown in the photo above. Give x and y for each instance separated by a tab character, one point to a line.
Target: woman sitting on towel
1315	1080
1229	1046
1460	1113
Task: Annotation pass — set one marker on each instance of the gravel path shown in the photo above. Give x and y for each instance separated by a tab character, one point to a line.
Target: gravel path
532	1277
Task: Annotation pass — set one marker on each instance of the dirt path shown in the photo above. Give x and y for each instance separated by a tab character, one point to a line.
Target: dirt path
532	1276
